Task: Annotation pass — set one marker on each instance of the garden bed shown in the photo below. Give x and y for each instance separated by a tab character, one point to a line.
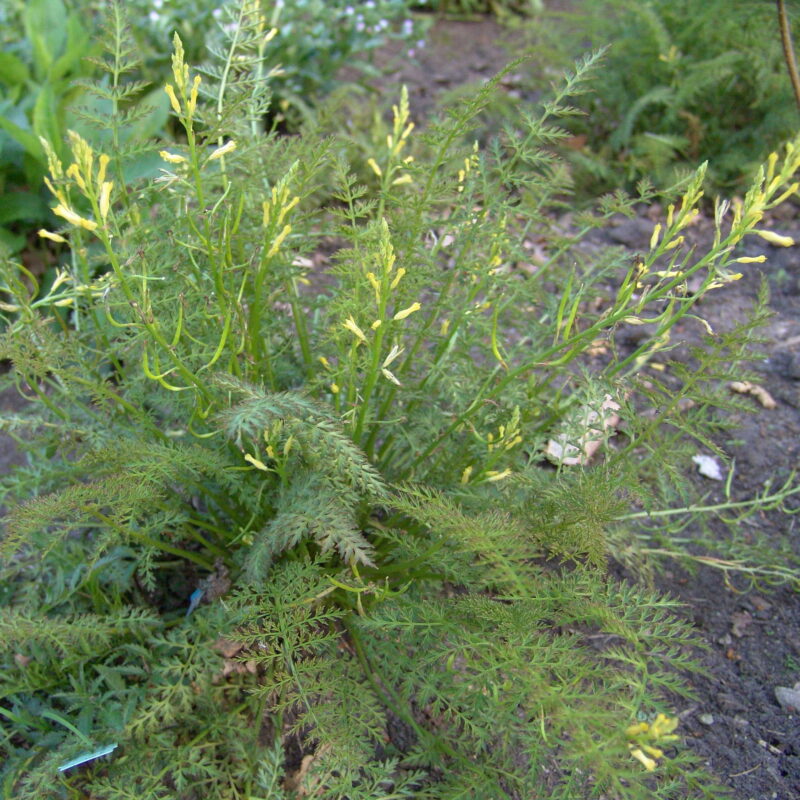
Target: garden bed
735	723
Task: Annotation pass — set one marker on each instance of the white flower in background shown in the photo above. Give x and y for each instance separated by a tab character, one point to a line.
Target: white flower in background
154	16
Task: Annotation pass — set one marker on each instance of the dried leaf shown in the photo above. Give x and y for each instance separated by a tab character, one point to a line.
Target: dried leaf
599	347
739	622
21	660
759	392
227	648
294	782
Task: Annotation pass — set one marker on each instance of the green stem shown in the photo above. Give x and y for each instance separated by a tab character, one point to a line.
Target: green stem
300	327
709	509
145	539
389	698
788	49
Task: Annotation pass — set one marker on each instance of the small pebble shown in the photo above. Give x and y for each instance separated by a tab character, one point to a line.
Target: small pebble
789	699
706	719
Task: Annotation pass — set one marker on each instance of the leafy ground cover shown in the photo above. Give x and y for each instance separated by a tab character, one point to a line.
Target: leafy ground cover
735	716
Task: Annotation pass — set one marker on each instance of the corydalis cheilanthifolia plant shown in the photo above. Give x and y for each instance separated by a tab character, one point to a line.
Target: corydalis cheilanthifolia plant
309	402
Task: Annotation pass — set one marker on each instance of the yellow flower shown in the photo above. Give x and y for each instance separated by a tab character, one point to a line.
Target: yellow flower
173	100
634	730
393	354
375	168
172	158
397	278
654	237
75	219
406	312
226	148
192	104
62	276
493	475
776	238
390	377
105	199
375	285
662	726
53	237
101	170
256	463
350	324
648	763
74	173
658	731
287	229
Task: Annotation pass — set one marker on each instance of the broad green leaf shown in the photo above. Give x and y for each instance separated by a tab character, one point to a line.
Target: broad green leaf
22	206
13	72
146	165
46	121
10	243
77	47
46	28
26	138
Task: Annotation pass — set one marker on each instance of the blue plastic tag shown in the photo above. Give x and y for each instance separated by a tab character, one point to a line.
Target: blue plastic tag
84	757
194	600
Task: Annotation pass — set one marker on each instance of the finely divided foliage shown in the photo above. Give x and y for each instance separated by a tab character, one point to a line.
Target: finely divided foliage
287	528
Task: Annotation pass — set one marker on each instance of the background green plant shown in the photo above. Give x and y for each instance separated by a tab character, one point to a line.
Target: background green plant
314	41
683	83
504	9
37	95
47	65
324	420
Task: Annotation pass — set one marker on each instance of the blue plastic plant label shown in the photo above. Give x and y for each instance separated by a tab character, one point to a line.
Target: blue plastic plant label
84	757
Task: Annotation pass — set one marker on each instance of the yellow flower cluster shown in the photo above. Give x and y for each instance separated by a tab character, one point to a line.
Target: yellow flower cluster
275	210
508	435
395	142
82	175
470	163
644	736
180	72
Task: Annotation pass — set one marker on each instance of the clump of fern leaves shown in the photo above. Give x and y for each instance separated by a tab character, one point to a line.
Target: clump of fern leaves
287	527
